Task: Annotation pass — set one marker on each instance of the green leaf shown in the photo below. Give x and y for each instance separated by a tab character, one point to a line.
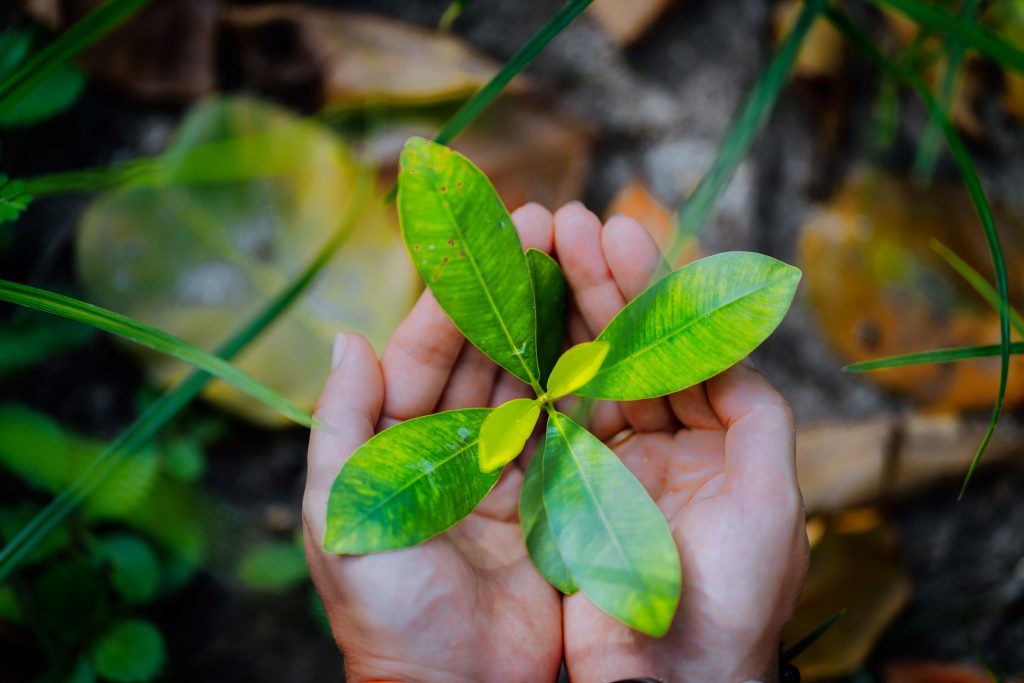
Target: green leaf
980	284
537	533
133	330
974	188
274	566
505	431
551	299
576	367
39	67
131	652
744	129
13	199
466	247
613	538
169	405
693	324
408	484
135	569
49	97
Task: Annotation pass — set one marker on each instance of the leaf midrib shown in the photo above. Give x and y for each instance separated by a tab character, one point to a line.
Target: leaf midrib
680	330
600	511
402	489
490	300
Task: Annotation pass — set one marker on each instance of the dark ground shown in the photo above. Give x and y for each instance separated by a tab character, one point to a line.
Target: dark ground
658	110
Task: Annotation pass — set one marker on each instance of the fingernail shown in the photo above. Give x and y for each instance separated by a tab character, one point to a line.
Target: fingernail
338	350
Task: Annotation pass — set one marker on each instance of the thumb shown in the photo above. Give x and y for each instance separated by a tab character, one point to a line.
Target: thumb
350	406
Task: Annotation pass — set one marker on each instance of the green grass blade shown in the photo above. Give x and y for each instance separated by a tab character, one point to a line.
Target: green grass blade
928	150
90	28
167	407
980	284
796	650
158	340
978	198
936	356
486	95
968	33
745	128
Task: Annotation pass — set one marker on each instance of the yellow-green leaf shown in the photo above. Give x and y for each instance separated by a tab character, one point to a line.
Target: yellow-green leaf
576	367
408	483
613	539
505	431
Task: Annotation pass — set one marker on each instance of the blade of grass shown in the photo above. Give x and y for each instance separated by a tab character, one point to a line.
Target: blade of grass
489	92
86	31
167	407
969	33
795	651
744	130
979	283
928	150
937	356
977	193
150	337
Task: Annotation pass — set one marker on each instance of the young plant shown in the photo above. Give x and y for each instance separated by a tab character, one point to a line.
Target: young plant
588	522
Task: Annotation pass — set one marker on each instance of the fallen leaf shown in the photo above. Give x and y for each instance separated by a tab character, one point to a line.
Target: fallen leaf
197	260
528	152
855	566
879	289
627	21
634	200
356	60
165	52
821	54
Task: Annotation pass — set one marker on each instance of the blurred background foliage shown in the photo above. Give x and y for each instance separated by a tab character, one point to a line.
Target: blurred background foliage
220	171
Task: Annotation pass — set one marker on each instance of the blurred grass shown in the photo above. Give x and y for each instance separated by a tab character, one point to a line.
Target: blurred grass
746	127
974	188
170	404
88	30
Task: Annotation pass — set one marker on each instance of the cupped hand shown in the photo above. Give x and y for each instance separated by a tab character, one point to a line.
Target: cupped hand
466	606
718	459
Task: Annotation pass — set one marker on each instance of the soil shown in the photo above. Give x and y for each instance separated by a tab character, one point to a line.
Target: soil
658	110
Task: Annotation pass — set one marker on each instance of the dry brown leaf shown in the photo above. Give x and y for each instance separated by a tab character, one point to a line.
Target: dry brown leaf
634	200
842	464
821	54
356	60
165	52
879	289
529	153
627	21
854	566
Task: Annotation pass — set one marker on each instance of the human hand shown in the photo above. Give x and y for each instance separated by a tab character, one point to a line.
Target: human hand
718	459
466	606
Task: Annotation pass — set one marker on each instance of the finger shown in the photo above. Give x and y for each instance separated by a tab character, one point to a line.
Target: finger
634	262
507	388
535	225
418	360
759	442
471	381
350	406
692	408
578	244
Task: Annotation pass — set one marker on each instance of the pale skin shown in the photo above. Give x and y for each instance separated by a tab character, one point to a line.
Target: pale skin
468	605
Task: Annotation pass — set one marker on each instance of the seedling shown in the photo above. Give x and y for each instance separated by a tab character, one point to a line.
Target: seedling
588	523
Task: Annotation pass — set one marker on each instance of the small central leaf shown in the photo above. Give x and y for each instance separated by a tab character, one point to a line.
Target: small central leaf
505	431
576	367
